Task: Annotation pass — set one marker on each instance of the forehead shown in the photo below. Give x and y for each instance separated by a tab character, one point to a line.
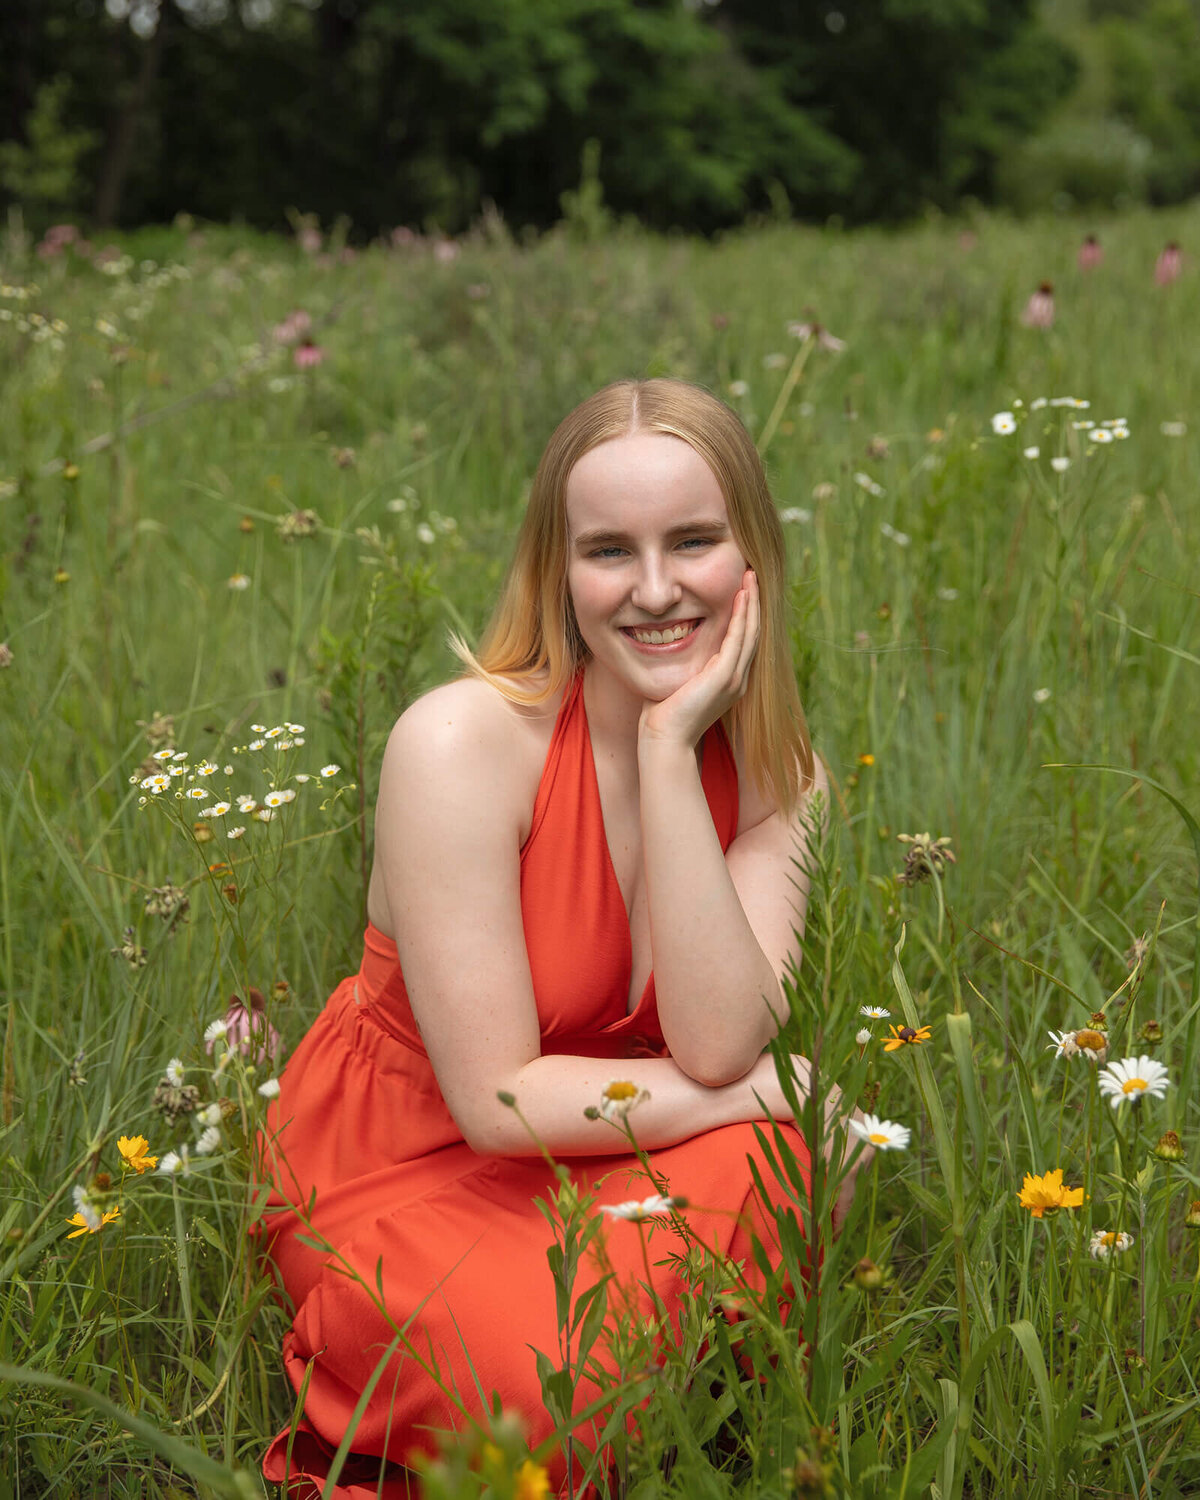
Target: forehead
647	476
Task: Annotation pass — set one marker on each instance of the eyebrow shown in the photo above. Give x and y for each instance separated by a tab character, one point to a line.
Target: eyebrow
688	528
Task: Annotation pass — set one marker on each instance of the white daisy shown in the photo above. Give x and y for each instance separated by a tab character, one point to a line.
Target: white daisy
278	799
1041	695
209	1115
209	1142
180	755
795	515
299	740
739	388
1032	452
86	1209
636	1211
302	777
863	1037
215	1030
196	793
1064	1043
1109	1242
217	810
1037	403
263	815
1133	1078
884	1135
257	744
875	1012
238	582
205	768
176	770
174	1164
426	533
1100	435
269	1089
331	770
1173	429
1003	423
162	755
174	1074
156	783
258	729
273	734
246	803
1060	465
295	728
235	833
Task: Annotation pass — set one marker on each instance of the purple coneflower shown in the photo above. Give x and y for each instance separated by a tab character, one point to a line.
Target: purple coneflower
1091	254
1039	310
1169	265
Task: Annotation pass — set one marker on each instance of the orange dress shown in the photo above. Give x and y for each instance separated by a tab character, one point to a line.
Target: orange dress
364	1156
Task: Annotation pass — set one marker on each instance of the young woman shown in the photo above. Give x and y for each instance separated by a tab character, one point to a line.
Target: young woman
587	867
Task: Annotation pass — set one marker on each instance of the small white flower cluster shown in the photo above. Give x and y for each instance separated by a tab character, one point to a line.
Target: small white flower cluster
176	766
863	1035
1109	430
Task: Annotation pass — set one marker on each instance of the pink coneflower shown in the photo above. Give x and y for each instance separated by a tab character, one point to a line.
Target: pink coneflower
248	1031
309	239
307	356
1169	264
402	238
446	251
293	327
1091	254
1039	310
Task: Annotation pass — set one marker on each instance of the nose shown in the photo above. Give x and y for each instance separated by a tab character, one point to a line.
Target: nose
655	589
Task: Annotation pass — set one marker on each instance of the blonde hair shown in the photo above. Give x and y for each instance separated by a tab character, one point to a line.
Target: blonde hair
532	647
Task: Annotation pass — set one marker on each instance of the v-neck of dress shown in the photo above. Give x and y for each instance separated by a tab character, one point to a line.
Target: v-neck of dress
627	930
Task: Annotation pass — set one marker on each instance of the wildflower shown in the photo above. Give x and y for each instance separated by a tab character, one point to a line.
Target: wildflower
263	815
1003	423
1173	429
530	1481
90	1220
795	515
174	1073
279	799
247	1029
866	759
874	1012
238	582
1031	452
426	534
210	1141
819	334
739	388
330	770
135	1151
1041	695
1170	1147
168	902
865	482
1091	254
215	1032
134	955
6	655
636	1211
1191	1220
174	1163
1169	265
1046	1194
245	803
307	355
619	1097
257	744
156	783
1065	1043
906	1036
297	525
269	1089
926	857
1106	1243
1100	435
824	492
1133	1078
175	1099
1150	1034
901	538
1060	465
863	1037
1039	310
884	1135
235	833
867	1276
75	1074
294	326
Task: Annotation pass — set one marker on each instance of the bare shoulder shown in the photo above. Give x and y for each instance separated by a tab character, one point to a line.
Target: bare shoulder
465	737
757	807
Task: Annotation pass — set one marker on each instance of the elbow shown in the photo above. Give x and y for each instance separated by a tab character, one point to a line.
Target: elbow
713	1068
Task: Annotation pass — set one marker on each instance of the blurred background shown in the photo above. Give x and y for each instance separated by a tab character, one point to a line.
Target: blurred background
689	114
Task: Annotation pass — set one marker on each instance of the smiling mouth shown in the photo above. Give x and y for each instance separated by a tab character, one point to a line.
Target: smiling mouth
663	635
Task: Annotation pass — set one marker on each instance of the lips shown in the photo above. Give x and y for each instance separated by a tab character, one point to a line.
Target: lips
669	633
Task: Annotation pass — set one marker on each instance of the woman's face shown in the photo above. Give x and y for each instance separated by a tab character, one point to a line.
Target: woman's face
652	565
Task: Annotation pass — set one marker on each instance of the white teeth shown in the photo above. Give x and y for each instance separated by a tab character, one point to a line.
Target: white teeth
662	637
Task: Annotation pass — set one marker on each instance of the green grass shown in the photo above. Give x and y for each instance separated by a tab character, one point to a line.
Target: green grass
1008	643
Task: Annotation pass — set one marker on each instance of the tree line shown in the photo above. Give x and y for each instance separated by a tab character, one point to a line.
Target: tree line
683	113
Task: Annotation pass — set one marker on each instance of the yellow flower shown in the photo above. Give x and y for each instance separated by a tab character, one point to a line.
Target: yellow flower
619	1097
905	1036
134	1149
86	1228
866	759
1046	1194
531	1482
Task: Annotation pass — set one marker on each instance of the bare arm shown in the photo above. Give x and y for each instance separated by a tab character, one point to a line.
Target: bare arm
448	831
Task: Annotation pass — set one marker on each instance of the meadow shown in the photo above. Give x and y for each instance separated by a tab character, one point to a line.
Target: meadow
249	485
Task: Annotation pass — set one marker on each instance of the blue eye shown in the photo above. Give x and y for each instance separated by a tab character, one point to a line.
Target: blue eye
607	552
697	541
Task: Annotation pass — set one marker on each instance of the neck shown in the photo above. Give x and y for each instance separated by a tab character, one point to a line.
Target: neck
613	711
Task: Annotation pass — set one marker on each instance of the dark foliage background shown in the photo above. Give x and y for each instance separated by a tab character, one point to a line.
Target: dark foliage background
684	113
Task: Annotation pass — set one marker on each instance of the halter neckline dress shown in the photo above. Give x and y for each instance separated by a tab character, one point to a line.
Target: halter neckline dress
363	1156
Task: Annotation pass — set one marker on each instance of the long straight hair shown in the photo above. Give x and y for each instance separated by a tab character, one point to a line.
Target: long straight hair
532	647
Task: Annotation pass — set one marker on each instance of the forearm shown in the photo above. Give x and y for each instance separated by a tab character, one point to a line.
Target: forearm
552	1093
718	995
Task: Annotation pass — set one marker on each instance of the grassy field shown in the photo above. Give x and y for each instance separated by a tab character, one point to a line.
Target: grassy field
218	514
